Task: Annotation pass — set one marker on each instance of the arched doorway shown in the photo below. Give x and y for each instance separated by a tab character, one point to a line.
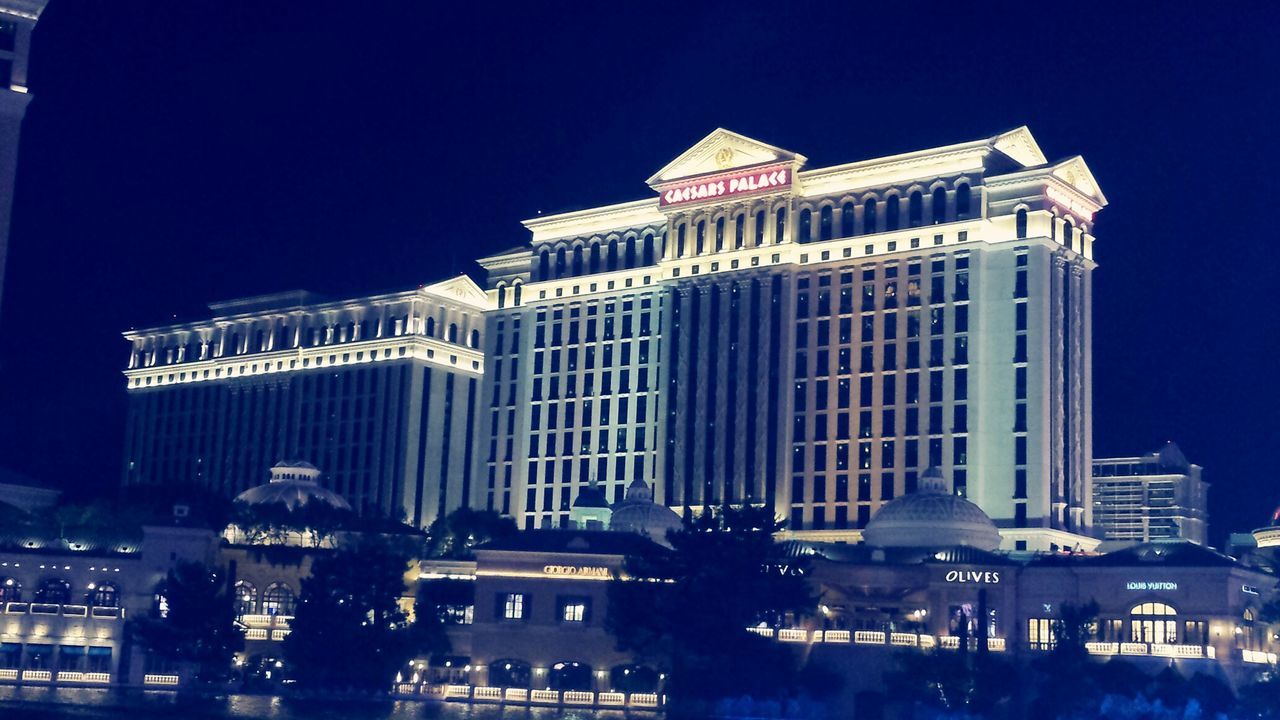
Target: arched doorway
633	679
570	676
1153	622
509	673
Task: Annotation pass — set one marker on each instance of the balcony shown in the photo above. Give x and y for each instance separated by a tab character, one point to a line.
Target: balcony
1258	657
162	680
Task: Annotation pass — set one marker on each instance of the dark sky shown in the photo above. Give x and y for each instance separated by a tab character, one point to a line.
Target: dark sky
182	152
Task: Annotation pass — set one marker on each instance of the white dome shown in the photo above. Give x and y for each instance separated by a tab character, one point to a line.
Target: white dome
292	484
932	517
638	513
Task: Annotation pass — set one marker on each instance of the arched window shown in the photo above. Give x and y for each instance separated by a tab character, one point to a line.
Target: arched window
570	676
847	217
246	598
700	238
759	228
680	232
611	258
629	259
720	234
1068	233
278	600
475	339
1020	219
806	226
509	673
502	295
892	213
869	216
54	591
915	209
825	221
593	259
453	333
431	327
578	261
1153	622
739	232
105	595
963	201
647	250
544	264
939	210
779	225
561	262
10	590
519	286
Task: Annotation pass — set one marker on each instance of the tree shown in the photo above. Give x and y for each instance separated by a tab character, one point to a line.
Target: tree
951	682
1068	674
351	628
687	611
455	535
195	624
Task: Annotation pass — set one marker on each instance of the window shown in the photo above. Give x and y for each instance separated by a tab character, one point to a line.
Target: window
939	205
804	232
1021	223
575	610
278	600
54	591
869	216
847	216
10	590
1153	622
779	225
962	201
719	234
513	606
105	595
246	599
892	213
915	209
824	223
759	228
1067	233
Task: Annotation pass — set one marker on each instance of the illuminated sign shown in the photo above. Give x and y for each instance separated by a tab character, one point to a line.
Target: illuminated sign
1069	203
727	185
1249	589
974	577
576	571
1151	585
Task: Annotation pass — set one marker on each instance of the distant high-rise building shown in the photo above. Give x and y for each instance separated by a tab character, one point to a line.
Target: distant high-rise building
808	339
1153	496
383	392
17	21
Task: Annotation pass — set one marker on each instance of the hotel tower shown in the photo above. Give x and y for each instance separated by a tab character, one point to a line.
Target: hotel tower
755	330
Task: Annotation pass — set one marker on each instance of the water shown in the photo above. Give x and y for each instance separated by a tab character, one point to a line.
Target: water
37	703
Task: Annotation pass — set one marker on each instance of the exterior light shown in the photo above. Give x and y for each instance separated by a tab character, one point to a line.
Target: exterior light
279	664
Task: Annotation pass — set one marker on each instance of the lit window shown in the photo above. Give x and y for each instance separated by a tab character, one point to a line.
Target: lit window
513	606
573	610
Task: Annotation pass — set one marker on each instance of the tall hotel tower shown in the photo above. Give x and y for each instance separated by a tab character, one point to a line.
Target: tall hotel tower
808	339
17	21
382	393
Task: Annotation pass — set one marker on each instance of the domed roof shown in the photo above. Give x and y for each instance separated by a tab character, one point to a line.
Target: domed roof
638	513
591	496
931	517
293	484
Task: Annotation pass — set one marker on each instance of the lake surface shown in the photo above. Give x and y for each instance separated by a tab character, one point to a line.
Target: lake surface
34	703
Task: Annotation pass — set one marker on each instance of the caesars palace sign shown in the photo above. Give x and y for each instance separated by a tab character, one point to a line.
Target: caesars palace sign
727	185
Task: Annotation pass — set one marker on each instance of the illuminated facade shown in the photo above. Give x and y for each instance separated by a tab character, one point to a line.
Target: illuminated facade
17	21
1153	496
807	339
382	391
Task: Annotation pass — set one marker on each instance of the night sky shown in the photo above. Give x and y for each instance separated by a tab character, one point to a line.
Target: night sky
178	153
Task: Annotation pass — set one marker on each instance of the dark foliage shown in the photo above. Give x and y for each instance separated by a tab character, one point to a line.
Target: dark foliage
686	612
352	627
199	625
455	535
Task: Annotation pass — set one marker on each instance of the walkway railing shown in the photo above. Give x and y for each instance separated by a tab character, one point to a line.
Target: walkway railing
872	637
524	696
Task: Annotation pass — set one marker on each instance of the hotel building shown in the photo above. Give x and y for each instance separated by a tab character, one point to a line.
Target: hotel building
381	391
809	339
17	21
1153	496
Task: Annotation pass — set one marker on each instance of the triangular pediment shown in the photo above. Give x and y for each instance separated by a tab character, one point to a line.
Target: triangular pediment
461	288
1021	146
720	151
1076	173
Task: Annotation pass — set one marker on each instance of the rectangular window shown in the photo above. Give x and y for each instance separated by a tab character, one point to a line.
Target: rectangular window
575	610
514	606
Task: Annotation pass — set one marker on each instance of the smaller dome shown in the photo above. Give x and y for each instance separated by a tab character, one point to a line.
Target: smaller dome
931	517
591	496
294	485
638	513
